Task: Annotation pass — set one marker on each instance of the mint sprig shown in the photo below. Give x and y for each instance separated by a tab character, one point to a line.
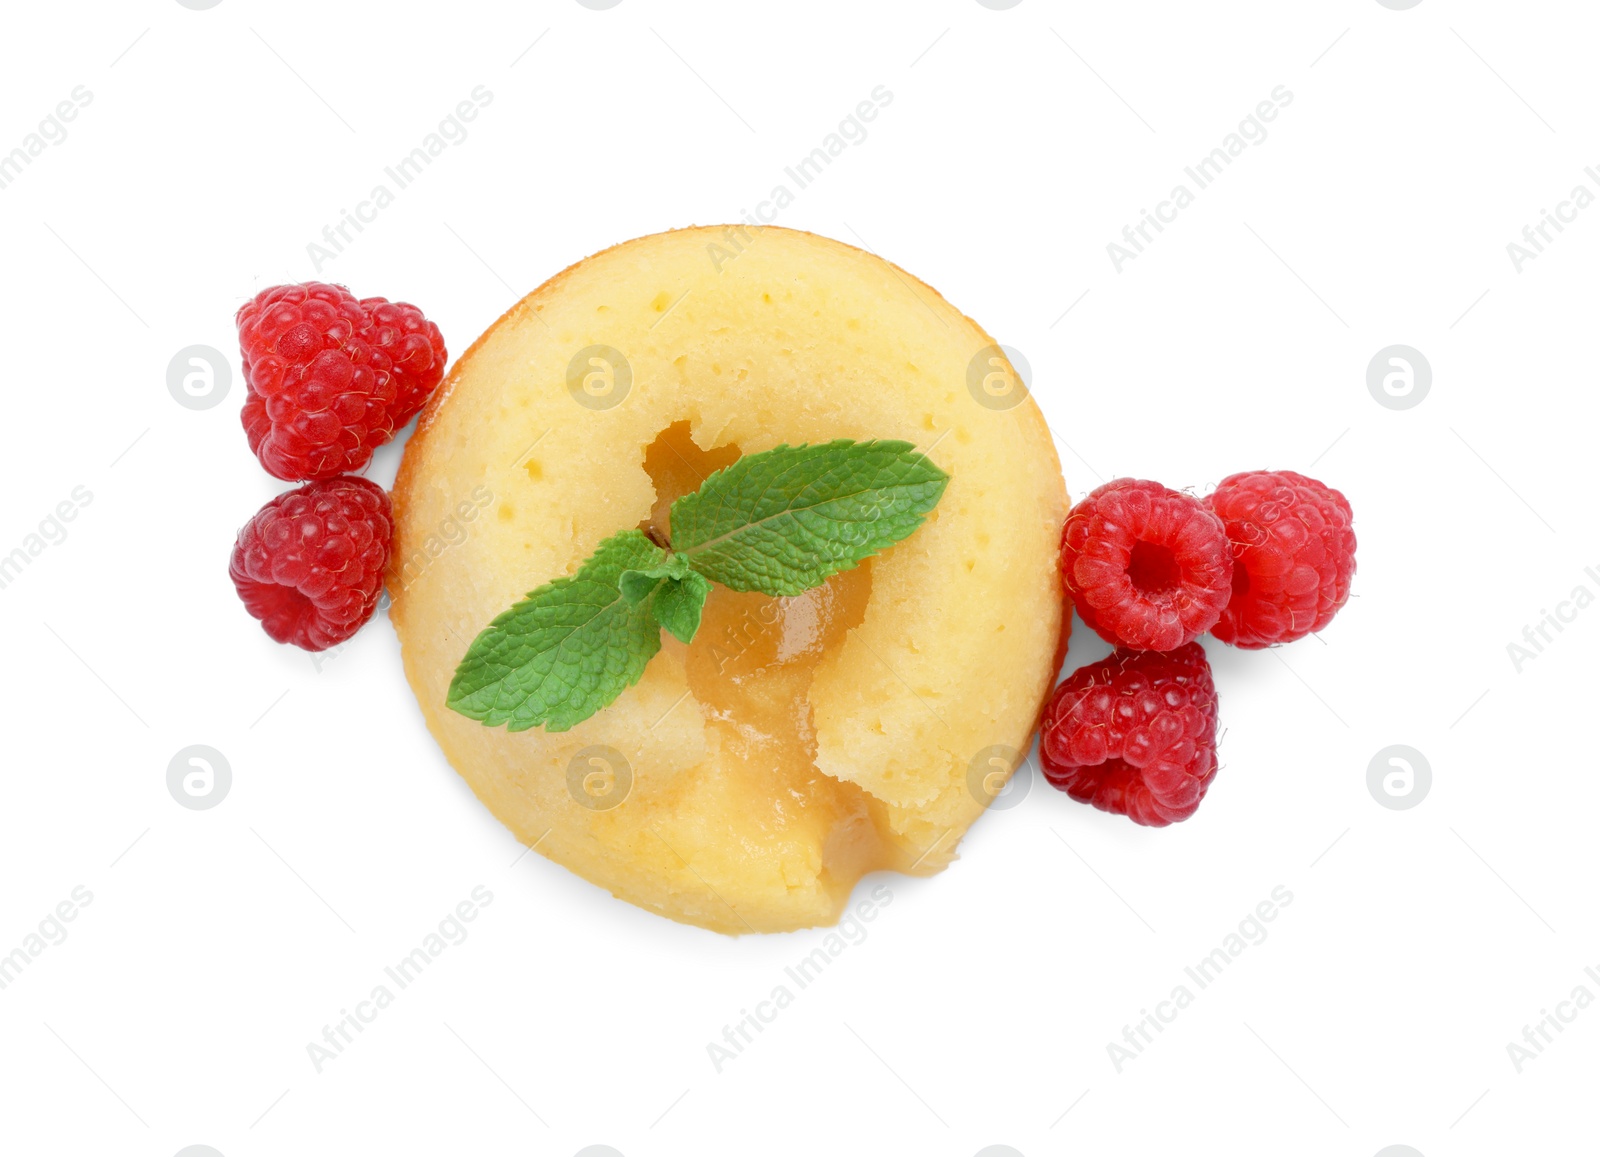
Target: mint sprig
779	522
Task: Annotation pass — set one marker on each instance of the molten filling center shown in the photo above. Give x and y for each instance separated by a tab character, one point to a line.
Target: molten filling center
751	664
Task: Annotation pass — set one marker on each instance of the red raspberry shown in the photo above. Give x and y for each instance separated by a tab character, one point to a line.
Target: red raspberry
1294	554
1146	567
321	394
415	347
310	563
1135	734
331	378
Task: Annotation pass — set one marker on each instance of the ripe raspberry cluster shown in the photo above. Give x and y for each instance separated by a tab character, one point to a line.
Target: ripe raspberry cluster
1265	559
329	379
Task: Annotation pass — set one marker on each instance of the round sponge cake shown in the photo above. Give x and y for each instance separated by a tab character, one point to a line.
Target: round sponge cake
752	777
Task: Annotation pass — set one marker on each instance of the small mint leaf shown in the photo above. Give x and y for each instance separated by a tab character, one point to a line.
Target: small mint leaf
636	585
678	605
784	520
565	650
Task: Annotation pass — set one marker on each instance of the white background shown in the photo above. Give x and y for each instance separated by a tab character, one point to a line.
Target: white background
1018	144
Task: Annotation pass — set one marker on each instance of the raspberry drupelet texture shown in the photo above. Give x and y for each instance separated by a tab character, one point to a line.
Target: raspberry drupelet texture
310	564
415	348
331	378
1146	567
1294	554
1135	734
321	395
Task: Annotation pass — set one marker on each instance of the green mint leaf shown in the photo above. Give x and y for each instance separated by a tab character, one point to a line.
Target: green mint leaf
636	585
678	604
679	594
565	650
784	520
